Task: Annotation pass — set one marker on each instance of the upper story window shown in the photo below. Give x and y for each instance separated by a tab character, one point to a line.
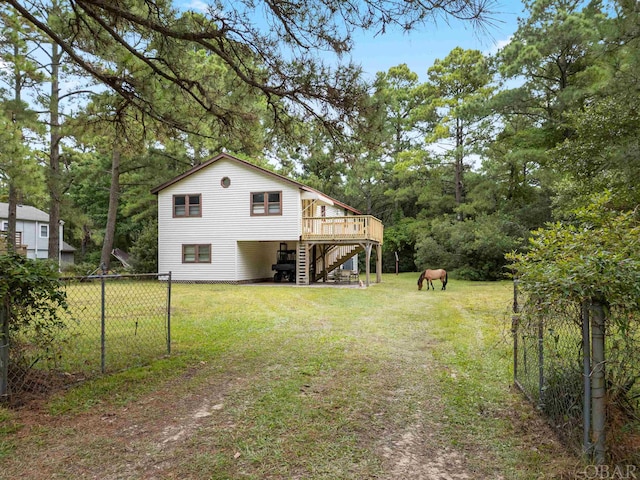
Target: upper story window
44	231
266	203
187	206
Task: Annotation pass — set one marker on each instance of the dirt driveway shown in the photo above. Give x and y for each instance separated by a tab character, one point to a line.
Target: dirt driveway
165	434
291	396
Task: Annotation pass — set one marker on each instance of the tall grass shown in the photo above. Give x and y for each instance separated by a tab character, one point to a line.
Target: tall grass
318	383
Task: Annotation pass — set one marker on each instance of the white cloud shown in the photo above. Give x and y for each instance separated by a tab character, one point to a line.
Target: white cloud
197	5
498	45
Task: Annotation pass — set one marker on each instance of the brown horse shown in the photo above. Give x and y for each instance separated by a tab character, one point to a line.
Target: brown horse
429	275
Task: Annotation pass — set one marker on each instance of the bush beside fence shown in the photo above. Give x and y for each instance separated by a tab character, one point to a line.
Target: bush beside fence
593	403
113	322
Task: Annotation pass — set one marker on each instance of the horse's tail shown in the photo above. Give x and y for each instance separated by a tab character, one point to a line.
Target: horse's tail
446	278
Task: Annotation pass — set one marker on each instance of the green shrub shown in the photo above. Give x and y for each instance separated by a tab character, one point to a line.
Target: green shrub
32	294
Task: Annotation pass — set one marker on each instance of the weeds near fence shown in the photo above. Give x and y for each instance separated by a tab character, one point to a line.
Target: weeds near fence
109	323
549	364
550	354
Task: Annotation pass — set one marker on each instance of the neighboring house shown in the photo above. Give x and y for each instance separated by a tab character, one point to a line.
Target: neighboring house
225	220
32	233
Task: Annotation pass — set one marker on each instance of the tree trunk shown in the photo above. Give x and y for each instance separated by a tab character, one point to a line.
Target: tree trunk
114	197
459	166
54	158
13	189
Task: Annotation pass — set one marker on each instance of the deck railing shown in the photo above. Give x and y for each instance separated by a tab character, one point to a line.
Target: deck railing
20	248
346	228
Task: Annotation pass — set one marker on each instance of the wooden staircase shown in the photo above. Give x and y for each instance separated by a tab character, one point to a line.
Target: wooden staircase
335	256
301	264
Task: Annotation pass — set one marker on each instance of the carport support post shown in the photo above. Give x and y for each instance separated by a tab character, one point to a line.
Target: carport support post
368	262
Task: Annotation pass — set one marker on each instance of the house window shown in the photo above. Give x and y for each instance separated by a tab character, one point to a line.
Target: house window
266	203
225	182
196	253
187	206
44	231
5	226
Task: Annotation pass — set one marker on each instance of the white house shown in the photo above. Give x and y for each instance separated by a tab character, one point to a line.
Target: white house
32	232
226	219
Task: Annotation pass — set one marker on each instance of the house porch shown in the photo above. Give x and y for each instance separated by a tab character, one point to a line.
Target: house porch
327	243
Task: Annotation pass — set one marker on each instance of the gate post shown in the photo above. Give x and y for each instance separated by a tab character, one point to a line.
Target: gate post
598	389
102	324
514	330
586	362
169	314
4	350
541	389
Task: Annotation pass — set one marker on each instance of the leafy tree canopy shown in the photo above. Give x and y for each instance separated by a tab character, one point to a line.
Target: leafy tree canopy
272	46
593	257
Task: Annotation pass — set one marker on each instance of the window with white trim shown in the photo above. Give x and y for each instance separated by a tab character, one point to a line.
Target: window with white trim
44	231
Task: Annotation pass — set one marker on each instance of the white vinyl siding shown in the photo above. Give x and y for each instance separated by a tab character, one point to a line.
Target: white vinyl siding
37	245
323	210
334	211
255	259
33	224
226	220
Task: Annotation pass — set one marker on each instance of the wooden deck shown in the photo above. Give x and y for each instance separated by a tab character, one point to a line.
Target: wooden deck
20	248
347	229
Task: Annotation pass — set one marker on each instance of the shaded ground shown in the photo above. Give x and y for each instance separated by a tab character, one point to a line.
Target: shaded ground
152	437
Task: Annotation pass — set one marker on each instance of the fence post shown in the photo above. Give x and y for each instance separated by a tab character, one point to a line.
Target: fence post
102	325
541	361
169	315
514	330
4	350
586	363
598	389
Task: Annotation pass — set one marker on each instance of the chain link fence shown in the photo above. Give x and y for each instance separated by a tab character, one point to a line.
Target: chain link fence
622	350
113	322
548	364
556	365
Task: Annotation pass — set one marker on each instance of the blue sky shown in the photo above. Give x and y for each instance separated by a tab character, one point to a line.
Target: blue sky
420	48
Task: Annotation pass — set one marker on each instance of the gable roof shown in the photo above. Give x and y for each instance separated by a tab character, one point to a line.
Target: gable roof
65	247
314	193
24	212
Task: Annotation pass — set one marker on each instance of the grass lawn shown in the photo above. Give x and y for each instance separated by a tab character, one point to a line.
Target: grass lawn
282	382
